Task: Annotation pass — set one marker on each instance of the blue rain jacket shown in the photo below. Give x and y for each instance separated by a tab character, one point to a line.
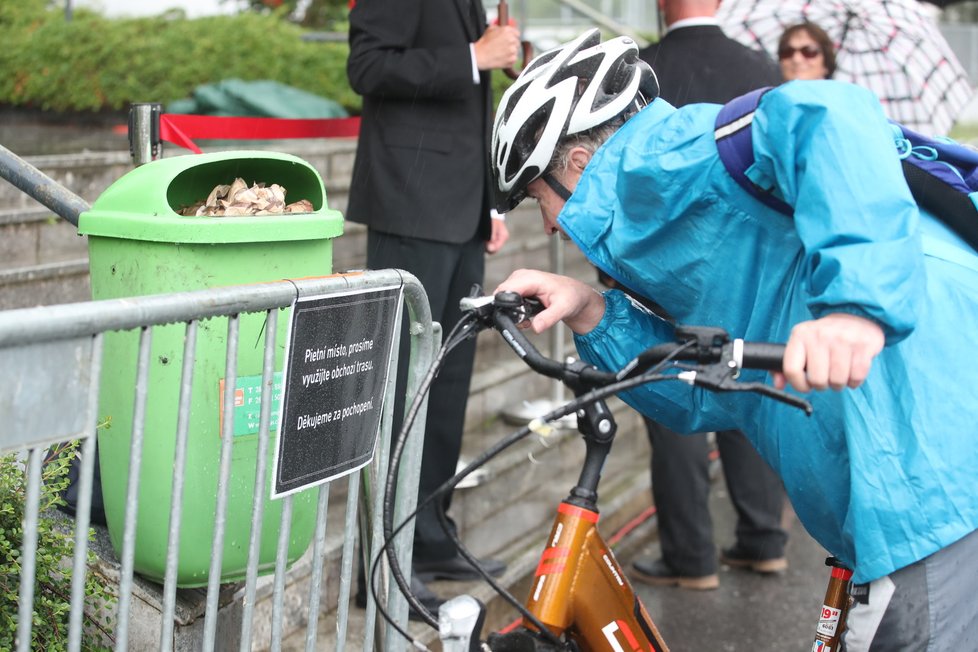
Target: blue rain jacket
883	475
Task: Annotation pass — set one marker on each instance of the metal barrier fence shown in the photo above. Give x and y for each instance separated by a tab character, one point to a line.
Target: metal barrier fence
51	360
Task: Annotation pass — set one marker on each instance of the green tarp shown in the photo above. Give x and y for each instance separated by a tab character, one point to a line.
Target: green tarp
264	98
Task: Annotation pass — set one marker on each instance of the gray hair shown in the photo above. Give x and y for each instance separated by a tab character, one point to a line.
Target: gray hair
590	140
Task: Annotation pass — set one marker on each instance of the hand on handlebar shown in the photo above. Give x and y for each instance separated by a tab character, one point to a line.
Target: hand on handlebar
834	351
577	304
717	359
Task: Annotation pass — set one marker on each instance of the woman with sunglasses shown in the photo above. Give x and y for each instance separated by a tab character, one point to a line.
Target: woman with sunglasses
805	51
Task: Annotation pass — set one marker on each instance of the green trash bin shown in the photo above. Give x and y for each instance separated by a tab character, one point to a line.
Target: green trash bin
140	245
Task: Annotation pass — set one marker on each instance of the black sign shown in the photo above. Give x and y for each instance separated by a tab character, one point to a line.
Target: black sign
337	362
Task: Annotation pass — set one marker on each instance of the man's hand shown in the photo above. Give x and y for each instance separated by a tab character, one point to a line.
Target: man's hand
834	351
579	305
498	47
500	234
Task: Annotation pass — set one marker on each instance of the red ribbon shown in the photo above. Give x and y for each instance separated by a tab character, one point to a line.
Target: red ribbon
181	129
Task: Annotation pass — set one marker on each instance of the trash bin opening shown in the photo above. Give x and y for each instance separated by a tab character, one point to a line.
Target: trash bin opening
194	184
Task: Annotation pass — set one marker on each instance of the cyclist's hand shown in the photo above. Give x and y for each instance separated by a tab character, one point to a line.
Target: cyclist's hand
565	299
834	351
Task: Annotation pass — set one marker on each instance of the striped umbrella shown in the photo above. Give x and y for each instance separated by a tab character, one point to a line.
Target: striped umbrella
892	47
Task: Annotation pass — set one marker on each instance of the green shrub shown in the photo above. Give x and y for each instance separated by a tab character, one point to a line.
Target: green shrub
18	14
320	14
55	548
92	63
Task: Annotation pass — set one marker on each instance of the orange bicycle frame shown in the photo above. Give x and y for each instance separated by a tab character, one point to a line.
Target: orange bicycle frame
580	590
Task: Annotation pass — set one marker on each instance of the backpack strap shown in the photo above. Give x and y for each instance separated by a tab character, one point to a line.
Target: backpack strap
956	209
945	182
943	178
732	132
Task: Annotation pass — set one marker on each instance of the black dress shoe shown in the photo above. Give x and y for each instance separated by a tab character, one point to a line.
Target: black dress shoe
656	572
455	569
738	557
425	595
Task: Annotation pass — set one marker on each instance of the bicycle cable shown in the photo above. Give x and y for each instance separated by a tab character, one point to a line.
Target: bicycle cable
651	375
461	331
467	327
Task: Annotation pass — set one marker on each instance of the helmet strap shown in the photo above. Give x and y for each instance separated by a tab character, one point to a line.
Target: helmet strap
556	186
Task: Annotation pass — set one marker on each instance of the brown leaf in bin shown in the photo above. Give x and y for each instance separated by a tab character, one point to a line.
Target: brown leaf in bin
219	192
238	199
191	210
301	206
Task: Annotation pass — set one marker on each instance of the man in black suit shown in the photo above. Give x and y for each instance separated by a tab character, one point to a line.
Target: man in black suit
696	62
421	185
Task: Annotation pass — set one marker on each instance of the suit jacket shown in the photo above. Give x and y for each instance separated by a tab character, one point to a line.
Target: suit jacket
422	159
699	63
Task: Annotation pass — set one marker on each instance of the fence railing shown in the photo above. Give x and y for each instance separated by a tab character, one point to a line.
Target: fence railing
53	360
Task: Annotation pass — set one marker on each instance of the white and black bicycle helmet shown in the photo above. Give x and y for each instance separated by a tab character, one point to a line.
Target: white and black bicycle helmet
571	89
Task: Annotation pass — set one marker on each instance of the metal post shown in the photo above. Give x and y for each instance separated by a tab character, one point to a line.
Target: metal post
144	132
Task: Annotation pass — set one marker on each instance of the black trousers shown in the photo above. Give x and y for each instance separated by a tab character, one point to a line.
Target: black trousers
447	272
680	491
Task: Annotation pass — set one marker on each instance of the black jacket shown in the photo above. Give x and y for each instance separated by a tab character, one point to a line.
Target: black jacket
422	160
700	63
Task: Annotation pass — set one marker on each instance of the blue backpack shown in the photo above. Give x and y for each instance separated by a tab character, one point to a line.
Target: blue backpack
942	175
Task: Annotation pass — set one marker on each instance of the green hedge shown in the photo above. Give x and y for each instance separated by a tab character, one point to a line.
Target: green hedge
92	63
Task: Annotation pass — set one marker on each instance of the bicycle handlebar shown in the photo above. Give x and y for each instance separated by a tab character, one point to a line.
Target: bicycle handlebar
714	361
507	327
719	358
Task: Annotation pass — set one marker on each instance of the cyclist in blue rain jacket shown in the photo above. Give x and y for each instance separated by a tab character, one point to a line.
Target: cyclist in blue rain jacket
872	296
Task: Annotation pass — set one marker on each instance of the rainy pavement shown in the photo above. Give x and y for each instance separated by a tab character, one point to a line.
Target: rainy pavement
749	612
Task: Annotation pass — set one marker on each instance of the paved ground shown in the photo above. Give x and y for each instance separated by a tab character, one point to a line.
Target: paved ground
748	612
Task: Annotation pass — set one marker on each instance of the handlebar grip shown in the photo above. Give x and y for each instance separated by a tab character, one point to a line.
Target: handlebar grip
763	355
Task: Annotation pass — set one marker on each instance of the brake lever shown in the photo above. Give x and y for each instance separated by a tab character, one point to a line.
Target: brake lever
480	304
775	393
723	379
519	309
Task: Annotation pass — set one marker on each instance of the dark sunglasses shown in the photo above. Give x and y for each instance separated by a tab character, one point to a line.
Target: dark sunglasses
807	51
